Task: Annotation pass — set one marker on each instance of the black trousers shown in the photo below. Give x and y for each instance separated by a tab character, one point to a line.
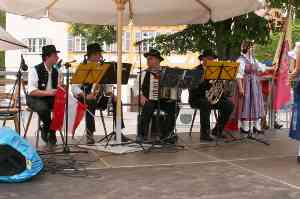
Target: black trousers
93	105
168	107
43	106
224	106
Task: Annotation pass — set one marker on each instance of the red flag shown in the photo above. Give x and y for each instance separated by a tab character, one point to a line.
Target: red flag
58	110
282	89
76	112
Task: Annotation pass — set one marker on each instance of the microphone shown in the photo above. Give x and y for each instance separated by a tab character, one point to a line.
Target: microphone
59	63
68	64
23	65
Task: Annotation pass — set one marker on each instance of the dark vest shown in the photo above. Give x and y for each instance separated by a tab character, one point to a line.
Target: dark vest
199	92
146	85
43	77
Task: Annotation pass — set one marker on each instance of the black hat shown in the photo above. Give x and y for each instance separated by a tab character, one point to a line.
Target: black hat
93	48
206	53
49	49
154	53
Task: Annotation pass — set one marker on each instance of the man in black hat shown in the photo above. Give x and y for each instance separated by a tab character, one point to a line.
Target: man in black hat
150	98
94	100
43	80
198	100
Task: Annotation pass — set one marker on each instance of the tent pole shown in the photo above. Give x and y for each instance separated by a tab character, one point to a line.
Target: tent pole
120	12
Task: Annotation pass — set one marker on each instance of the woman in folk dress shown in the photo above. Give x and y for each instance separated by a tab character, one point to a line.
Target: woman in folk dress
251	103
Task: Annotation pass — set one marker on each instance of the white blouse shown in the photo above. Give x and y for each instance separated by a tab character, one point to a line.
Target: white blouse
261	67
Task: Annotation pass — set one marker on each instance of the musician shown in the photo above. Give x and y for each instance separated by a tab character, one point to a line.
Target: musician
95	96
43	80
199	100
150	99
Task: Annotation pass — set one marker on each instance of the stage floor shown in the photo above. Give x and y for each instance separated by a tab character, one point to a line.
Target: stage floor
240	170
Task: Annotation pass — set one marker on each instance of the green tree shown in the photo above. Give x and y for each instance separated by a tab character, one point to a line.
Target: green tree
224	37
267	51
94	33
2	54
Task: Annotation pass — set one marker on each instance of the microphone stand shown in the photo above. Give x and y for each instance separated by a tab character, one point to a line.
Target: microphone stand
18	84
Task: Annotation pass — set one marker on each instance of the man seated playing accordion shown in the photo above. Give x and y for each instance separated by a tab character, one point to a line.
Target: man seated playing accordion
198	100
95	96
151	100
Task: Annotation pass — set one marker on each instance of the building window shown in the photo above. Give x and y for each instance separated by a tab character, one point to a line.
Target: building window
77	44
35	45
111	48
126	41
145	47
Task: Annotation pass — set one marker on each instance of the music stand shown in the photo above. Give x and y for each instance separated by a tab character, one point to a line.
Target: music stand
110	77
91	73
192	78
220	71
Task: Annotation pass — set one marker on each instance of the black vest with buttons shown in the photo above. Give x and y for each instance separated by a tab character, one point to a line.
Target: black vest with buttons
43	77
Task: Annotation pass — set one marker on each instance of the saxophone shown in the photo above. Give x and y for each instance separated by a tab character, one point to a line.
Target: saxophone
215	93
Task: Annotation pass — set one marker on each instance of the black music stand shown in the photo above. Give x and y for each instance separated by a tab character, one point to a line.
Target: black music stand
192	78
170	78
110	77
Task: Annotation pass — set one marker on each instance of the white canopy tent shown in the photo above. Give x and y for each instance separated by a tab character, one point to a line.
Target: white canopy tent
8	42
142	12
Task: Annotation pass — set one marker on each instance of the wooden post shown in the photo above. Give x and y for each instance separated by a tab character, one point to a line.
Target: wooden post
120	4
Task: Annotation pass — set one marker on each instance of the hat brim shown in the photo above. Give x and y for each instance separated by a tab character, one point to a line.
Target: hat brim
154	55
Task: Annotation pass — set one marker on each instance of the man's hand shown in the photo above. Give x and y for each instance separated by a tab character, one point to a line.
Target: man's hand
91	97
143	100
51	92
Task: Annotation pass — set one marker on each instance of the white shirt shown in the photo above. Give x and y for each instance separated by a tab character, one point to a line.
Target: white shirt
33	79
261	67
173	95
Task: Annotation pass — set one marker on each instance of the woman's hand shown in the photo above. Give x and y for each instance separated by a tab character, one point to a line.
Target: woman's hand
241	92
293	75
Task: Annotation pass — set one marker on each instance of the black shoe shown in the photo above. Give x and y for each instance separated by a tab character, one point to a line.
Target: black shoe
52	138
255	130
205	136
139	139
218	134
298	159
243	131
277	126
90	141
